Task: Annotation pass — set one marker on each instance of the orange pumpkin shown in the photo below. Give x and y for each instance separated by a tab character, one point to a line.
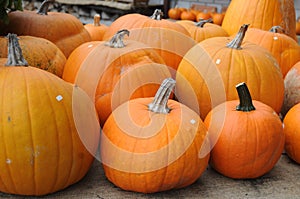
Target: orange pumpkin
153	144
203	29
44	146
210	69
170	40
174	13
285	49
248	137
261	14
64	30
38	52
114	72
291	89
298	26
96	30
203	15
292	132
218	18
188	15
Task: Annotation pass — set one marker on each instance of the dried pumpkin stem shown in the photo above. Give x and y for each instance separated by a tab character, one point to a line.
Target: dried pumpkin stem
157	15
43	9
97	20
277	29
117	41
246	104
160	101
202	22
237	41
15	56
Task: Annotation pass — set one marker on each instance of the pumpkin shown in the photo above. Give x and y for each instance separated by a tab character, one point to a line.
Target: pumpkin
174	13
64	30
298	26
261	14
202	30
104	69
291	89
188	15
285	49
218	18
210	69
153	144
249	141
96	30
203	15
291	132
38	52
170	40
49	128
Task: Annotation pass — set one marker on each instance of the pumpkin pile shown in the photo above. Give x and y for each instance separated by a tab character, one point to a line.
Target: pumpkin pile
162	99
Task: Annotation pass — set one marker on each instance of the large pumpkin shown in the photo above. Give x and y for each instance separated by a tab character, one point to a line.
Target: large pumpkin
115	71
249	142
291	131
168	38
261	14
63	29
154	144
285	49
44	146
209	71
203	29
38	52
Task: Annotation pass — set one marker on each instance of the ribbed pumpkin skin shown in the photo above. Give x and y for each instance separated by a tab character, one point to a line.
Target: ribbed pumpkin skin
252	64
40	148
115	72
201	33
261	14
285	49
291	132
249	144
38	52
63	29
150	152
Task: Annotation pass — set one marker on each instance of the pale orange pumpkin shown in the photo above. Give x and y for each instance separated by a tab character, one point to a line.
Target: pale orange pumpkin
96	29
155	144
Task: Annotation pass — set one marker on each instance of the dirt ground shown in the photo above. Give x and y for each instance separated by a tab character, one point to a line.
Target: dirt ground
282	182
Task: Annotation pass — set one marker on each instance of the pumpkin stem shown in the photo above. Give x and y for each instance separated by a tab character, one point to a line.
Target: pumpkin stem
43	9
246	104
277	29
157	15
117	40
202	22
160	101
237	41
97	20
15	56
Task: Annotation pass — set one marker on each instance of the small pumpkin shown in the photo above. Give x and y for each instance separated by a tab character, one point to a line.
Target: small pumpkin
203	15
44	146
38	52
203	29
115	71
96	30
188	15
218	18
63	29
174	13
249	141
292	132
291	89
151	144
298	26
285	49
211	68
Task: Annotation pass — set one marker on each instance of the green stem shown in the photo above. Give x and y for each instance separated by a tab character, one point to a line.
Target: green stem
43	9
246	104
160	101
15	56
202	22
238	40
117	41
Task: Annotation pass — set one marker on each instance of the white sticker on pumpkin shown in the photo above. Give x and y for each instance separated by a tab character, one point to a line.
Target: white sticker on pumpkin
192	121
59	98
91	45
275	38
218	61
